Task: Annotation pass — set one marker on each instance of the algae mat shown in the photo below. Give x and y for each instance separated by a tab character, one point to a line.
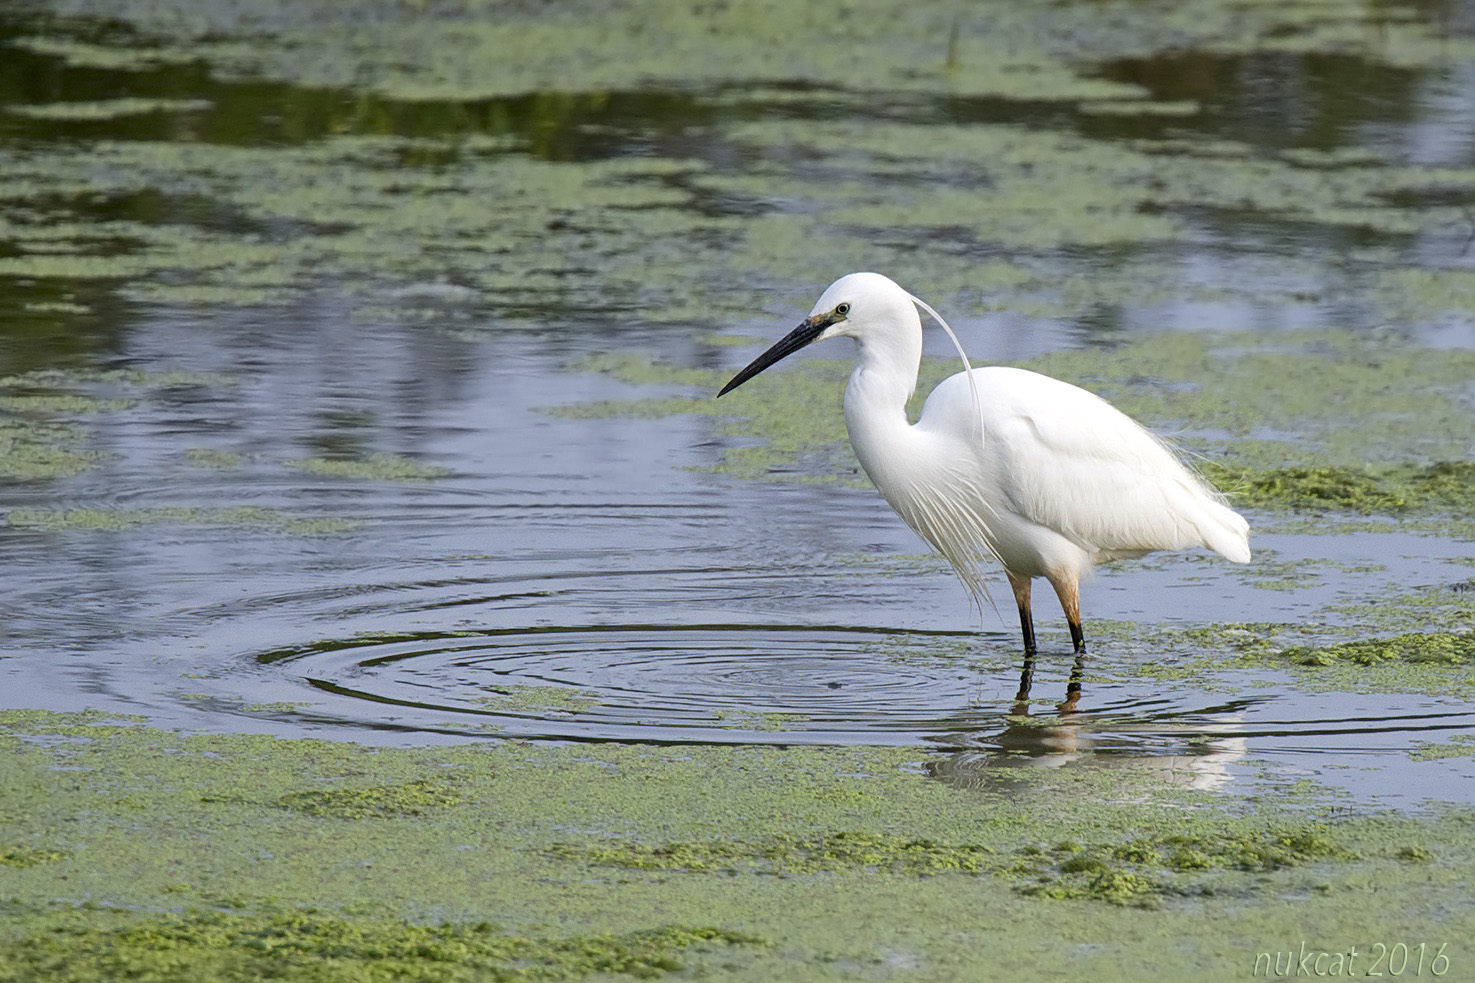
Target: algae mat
130	853
355	382
640	158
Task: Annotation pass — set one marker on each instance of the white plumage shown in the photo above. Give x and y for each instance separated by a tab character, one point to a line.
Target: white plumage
1042	476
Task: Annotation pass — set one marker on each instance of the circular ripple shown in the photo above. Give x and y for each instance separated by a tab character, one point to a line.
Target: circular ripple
766	684
714	683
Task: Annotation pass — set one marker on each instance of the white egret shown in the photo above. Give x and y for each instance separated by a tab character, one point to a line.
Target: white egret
1042	476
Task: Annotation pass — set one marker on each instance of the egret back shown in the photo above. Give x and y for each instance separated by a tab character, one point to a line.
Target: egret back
1058	459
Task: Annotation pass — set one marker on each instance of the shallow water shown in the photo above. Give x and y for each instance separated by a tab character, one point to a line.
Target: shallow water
555	578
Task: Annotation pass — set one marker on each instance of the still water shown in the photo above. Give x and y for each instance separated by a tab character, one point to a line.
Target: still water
592	578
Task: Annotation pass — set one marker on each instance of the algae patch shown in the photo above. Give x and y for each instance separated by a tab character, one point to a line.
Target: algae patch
790	855
1445	485
541	700
375	467
118	520
48	417
499	858
554	228
414	798
17	856
1437	648
312	945
1140	871
1459	746
107	108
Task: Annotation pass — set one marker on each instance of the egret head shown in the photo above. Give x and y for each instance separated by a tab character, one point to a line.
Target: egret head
863	306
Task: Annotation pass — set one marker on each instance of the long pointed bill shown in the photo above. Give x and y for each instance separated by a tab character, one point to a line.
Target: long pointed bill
808	331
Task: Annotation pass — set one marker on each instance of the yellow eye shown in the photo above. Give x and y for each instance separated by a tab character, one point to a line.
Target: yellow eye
842	309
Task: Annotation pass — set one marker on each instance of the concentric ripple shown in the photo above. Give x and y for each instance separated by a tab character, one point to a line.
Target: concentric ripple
706	683
767	684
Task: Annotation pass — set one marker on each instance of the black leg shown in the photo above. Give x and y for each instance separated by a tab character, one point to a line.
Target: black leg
1020	587
1027	628
1078	637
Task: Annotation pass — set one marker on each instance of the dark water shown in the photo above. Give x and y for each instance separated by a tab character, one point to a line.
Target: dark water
573	579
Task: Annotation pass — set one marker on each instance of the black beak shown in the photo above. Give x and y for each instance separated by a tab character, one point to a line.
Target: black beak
808	330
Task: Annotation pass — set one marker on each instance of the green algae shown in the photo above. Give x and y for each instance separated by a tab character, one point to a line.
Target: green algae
1459	746
1137	871
836	858
213	459
845	849
16	856
315	945
43	451
887	193
375	467
413	798
121	519
133	57
543	700
46	415
106	109
1448	607
37	441
1323	654
1437	648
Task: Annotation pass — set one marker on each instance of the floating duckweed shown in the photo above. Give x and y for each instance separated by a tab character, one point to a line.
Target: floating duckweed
1300	487
540	699
16	856
413	798
1140	107
787	854
117	520
312	945
107	108
378	467
1459	746
1138	872
1437	648
41	452
214	459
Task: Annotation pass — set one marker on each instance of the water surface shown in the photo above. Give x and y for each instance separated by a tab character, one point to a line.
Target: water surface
323	487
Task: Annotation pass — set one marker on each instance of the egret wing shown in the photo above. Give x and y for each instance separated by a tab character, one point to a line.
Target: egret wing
1067	460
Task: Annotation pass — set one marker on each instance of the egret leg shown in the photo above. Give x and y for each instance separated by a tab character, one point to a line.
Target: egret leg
1068	589
1020	586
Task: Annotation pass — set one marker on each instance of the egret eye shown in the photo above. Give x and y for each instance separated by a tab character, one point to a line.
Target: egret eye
842	309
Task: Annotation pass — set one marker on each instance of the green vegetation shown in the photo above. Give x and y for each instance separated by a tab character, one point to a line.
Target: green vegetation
239	857
1443	648
316	946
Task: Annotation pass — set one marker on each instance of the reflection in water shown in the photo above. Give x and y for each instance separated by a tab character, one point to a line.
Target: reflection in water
1072	688
1189	750
1208	766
